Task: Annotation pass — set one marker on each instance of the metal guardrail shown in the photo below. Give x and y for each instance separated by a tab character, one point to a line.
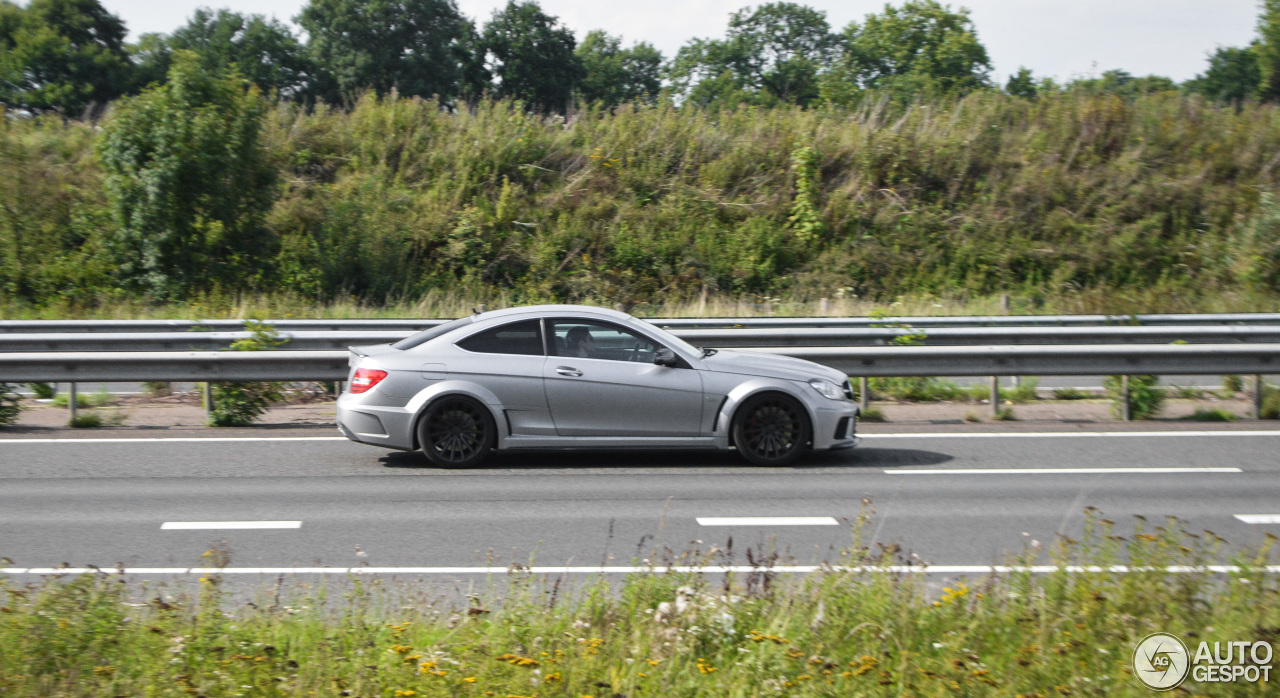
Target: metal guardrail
1077	360
412	324
719	338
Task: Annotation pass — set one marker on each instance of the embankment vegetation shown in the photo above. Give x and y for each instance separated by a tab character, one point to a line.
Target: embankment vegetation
1070	201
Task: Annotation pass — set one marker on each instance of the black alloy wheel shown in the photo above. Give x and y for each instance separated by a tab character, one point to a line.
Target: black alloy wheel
771	429
456	432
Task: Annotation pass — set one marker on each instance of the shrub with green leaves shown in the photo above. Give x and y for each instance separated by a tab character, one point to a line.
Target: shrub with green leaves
1270	403
1146	398
10	403
44	391
240	404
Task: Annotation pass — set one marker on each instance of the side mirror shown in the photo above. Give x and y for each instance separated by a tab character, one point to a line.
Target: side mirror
664	357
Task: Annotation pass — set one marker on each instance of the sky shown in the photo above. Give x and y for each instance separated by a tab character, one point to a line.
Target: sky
1063	39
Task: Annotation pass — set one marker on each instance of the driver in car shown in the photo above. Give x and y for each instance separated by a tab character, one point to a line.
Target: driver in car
580	343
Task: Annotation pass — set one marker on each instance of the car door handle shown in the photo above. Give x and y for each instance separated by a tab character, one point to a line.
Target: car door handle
568	371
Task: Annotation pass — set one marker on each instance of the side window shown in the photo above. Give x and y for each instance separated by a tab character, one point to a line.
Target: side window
516	338
592	339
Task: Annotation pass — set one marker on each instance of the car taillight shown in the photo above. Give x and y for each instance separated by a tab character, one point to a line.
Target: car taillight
366	378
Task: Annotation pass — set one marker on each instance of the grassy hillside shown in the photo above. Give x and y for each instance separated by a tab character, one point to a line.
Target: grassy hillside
1070	202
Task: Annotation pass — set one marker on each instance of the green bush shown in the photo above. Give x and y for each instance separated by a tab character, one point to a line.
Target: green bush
1005	414
1233	383
1270	404
10	403
1024	391
872	414
240	404
1070	394
1211	414
44	391
1146	398
86	420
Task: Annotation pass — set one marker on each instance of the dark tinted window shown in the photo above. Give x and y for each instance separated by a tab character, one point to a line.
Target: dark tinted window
516	338
425	336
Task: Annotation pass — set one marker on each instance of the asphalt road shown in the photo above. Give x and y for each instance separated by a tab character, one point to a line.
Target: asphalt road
950	499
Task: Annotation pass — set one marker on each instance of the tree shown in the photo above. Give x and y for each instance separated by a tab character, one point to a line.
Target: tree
613	75
1232	76
532	56
262	50
1021	84
415	47
917	50
1267	48
771	54
1121	83
189	183
61	56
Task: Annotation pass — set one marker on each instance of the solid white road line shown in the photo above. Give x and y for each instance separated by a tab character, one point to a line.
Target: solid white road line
1259	518
709	569
767	521
1057	471
922	435
225	525
1063	434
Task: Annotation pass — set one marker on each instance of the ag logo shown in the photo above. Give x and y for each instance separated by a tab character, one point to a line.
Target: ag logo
1161	661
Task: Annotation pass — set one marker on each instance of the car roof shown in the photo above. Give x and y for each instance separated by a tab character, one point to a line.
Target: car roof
552	310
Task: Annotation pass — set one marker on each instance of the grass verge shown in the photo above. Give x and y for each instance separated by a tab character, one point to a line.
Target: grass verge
864	629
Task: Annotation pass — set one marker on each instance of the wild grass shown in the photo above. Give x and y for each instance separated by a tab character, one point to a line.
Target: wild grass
1071	394
861	629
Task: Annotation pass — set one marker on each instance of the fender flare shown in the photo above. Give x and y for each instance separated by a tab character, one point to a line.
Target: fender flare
749	389
419	402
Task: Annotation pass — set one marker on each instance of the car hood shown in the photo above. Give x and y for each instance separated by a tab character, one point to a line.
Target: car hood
753	363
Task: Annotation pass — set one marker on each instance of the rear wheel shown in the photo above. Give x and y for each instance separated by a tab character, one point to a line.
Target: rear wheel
771	429
456	432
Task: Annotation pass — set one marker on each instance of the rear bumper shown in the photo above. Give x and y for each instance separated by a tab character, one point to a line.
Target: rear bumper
376	425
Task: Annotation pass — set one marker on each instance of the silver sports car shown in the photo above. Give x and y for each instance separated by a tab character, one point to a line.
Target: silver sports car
569	376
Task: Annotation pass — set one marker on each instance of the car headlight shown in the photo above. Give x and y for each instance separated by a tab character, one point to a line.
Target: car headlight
829	390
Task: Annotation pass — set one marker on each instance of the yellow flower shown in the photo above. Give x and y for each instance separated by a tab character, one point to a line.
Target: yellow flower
405	693
400	649
468	679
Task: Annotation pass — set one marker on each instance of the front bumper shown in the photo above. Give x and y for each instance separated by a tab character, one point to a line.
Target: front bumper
835	426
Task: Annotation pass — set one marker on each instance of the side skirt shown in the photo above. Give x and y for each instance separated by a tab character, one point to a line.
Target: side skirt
610	442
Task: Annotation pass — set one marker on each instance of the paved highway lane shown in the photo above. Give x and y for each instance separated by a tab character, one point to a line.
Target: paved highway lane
961	499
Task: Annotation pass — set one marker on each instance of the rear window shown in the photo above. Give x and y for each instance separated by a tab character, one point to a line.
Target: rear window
425	336
523	337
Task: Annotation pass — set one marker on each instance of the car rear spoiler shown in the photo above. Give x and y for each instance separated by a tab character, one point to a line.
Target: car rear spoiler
372	349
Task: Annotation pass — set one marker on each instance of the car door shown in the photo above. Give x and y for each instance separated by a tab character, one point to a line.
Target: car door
609	385
508	360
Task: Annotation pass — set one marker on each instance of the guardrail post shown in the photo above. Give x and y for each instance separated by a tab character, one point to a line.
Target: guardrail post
995	395
1259	388
206	398
72	399
864	392
1126	407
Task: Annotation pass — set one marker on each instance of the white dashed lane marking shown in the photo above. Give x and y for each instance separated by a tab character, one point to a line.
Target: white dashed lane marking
226	525
767	521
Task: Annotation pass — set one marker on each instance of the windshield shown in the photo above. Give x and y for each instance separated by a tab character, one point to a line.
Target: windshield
425	336
671	340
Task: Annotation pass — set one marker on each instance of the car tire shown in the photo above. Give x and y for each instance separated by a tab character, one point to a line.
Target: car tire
456	432
771	429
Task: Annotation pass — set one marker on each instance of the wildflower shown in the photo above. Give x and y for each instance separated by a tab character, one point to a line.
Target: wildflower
654	662
704	667
468	679
552	677
406	693
400	649
104	670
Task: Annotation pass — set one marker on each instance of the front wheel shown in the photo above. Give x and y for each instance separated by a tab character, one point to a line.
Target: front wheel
456	432
771	429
